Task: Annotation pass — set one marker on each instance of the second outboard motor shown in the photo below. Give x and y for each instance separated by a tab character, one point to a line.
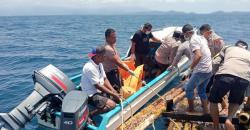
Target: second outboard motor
74	113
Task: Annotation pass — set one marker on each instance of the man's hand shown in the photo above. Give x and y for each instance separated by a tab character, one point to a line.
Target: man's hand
131	72
117	97
170	68
186	74
114	91
144	83
132	56
217	41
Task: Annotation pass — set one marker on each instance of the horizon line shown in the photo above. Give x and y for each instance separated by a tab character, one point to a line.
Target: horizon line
153	12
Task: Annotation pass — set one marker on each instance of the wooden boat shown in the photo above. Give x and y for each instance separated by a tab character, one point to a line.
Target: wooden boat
133	103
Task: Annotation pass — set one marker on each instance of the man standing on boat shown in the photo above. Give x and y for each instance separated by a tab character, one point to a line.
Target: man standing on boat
233	75
215	44
183	50
140	46
112	60
201	67
165	54
95	83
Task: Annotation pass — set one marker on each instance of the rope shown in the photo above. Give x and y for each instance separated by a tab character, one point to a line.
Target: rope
156	93
131	113
150	88
153	124
122	113
122	107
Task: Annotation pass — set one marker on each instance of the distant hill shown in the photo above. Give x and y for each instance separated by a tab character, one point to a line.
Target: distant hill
148	12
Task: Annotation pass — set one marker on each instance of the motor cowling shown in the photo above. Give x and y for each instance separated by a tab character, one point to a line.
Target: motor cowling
53	80
74	113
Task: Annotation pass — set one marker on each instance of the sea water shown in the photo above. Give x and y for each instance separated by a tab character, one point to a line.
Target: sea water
29	43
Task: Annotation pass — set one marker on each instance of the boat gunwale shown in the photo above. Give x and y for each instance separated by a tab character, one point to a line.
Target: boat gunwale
166	75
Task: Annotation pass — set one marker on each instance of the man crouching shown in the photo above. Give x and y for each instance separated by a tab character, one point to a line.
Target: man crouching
233	75
95	83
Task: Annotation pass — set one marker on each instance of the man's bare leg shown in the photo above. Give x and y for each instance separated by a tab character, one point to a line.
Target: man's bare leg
224	107
214	111
190	105
205	106
231	112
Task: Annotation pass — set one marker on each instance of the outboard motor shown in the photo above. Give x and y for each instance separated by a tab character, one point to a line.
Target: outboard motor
51	85
74	111
48	77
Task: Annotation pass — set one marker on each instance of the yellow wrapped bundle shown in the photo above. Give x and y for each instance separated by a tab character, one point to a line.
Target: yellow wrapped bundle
132	83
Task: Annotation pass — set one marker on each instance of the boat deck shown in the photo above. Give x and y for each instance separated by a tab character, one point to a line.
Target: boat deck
179	118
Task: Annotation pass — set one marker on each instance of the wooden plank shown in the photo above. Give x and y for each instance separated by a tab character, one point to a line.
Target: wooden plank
194	126
187	126
141	119
196	117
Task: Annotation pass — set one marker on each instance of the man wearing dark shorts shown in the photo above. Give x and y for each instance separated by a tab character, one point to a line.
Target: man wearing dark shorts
233	76
95	83
140	46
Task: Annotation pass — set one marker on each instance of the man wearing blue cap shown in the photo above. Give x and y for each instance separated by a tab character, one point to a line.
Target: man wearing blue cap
95	83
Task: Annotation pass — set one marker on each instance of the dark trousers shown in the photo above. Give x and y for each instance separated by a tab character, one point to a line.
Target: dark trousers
141	59
210	84
149	64
114	79
224	83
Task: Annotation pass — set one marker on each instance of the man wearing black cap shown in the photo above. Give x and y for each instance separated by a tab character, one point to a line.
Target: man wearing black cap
232	75
215	42
201	67
140	46
183	50
165	54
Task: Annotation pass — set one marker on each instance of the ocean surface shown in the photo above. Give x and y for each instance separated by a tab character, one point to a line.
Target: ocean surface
30	43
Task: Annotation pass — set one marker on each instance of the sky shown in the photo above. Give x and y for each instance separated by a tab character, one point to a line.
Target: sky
76	7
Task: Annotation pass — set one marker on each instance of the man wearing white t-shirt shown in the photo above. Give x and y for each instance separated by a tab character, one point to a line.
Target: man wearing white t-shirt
201	67
95	83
